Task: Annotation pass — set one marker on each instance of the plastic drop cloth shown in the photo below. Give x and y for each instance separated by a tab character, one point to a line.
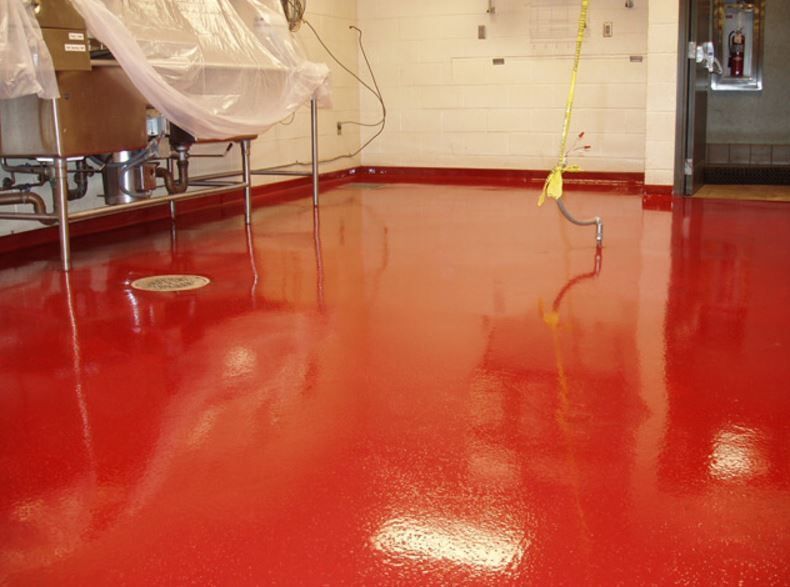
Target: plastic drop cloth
202	66
25	63
270	27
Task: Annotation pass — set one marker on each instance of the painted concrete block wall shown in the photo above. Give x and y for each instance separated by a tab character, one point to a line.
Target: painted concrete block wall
758	117
451	106
284	143
291	142
661	89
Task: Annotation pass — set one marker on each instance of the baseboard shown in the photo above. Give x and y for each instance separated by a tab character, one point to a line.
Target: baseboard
658	197
617	182
269	194
293	189
658	190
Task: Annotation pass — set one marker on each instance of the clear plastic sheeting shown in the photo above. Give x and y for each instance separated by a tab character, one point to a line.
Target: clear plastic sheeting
270	26
25	63
201	65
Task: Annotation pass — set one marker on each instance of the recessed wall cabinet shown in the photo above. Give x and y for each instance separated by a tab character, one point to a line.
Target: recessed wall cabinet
738	32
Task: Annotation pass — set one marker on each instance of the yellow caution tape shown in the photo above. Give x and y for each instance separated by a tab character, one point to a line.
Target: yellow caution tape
553	185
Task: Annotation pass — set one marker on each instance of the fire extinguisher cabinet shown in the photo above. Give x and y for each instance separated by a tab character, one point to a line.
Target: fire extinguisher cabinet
738	30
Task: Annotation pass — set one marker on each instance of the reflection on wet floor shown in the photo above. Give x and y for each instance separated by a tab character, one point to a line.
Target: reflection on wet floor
440	385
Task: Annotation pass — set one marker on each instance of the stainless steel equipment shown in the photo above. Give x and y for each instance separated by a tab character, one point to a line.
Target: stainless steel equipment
102	124
125	182
99	112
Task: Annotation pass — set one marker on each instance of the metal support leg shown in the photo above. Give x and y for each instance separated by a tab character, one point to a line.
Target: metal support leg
314	142
171	170
319	259
173	208
247	178
60	189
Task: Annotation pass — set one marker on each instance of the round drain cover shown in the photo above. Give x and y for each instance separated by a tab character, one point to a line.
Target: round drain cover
171	282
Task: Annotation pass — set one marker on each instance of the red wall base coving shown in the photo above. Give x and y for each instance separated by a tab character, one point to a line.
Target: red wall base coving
655	197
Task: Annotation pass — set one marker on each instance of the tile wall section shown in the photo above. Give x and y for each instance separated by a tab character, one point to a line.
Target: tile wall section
450	105
740	154
284	143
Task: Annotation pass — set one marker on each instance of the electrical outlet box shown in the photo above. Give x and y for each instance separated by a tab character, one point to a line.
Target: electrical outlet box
608	29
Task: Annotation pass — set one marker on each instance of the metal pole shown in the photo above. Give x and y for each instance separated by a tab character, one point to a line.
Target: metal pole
45	218
314	141
247	179
253	264
148	203
279	172
60	192
172	202
319	259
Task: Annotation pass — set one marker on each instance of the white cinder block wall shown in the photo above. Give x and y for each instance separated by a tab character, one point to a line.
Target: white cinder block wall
287	143
450	106
284	143
662	44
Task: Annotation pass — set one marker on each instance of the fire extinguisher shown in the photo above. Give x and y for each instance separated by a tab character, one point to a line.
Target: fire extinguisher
737	42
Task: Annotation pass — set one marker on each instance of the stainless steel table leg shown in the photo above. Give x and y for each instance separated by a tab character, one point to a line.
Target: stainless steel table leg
319	259
60	193
171	169
314	143
247	178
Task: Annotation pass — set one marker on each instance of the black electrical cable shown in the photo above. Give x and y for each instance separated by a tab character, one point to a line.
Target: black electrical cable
377	93
288	119
375	90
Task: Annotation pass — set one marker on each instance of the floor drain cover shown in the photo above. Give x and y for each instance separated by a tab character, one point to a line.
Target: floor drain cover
171	282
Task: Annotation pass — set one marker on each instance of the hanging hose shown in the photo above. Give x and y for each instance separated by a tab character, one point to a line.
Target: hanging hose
590	222
553	187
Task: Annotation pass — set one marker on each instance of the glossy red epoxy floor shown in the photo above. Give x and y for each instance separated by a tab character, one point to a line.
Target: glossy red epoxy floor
448	387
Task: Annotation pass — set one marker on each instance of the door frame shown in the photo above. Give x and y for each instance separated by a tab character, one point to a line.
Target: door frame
682	117
692	98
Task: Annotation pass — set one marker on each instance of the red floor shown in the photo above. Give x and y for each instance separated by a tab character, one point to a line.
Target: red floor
447	388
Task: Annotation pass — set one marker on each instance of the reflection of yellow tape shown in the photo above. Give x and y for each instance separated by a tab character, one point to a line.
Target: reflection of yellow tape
552	320
553	186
